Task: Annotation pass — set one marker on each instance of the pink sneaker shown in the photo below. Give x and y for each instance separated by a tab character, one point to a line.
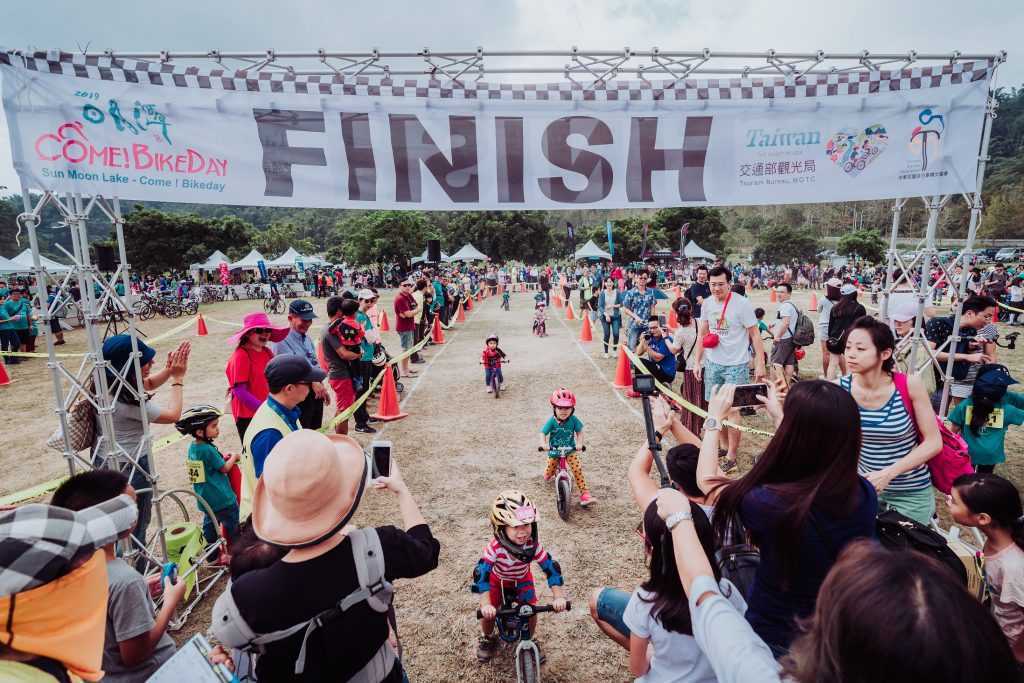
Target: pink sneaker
586	499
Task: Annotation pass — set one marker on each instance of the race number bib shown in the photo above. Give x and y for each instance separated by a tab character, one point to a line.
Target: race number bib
196	472
995	419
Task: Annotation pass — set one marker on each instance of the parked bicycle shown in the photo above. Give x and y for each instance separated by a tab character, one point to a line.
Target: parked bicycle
563	480
513	622
273	303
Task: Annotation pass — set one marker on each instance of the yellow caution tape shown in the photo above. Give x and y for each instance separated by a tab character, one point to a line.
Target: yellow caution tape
683	402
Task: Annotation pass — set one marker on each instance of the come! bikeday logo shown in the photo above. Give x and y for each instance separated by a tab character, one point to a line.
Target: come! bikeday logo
854	150
71	143
927	136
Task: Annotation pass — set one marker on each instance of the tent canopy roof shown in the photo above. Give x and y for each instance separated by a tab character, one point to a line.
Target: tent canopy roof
591	250
468	253
693	250
9	266
24	259
250	260
288	258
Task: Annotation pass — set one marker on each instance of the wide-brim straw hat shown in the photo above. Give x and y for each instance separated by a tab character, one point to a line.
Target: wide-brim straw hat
310	488
256	320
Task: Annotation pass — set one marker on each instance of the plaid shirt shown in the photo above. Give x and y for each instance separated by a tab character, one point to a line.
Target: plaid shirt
40	543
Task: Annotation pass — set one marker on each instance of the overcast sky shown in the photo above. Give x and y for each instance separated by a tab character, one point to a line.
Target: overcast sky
725	25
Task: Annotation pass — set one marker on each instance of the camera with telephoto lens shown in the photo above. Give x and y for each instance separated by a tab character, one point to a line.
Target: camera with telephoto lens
644	385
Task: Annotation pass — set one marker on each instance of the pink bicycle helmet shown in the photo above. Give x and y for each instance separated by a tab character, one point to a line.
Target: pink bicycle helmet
563	398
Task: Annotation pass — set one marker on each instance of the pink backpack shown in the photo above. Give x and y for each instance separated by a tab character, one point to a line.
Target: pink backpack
953	460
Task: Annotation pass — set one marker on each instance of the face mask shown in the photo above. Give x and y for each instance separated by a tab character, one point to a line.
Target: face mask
62	620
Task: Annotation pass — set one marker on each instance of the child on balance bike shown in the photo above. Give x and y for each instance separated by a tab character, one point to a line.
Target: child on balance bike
564	429
504	567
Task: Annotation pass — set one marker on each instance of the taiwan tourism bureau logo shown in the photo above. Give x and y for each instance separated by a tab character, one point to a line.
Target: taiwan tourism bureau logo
924	146
148	147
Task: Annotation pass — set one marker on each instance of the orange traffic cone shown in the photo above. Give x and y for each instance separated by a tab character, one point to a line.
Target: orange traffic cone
558	301
673	319
773	297
5	379
585	334
388	408
479	295
469	303
201	326
460	317
623	376
569	315
384	327
813	306
437	334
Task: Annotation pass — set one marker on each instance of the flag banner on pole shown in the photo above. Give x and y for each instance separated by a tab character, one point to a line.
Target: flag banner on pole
137	129
611	243
643	245
570	236
682	237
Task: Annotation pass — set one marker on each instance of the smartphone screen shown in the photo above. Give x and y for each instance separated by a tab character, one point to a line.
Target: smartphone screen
381	451
746	394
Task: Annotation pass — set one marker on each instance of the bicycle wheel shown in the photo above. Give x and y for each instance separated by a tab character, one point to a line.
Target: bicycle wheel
527	664
144	311
497	385
268	305
564	500
278	306
191	307
172	310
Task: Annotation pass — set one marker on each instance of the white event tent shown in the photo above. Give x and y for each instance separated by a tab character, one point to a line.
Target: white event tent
423	257
24	259
212	263
591	250
250	261
287	259
9	266
693	250
468	253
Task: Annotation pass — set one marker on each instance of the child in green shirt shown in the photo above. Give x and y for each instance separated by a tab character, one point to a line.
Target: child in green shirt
984	417
207	470
564	430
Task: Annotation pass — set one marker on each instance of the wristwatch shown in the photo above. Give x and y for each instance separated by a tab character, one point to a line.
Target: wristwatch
676	517
711	424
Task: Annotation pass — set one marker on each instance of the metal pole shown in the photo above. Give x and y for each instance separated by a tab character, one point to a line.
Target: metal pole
972	232
897	210
934	208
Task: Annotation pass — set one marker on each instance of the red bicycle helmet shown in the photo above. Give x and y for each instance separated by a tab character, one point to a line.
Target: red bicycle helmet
563	398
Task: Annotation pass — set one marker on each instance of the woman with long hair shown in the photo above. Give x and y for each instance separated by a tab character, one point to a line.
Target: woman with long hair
842	315
801	503
609	307
881	616
658	615
892	457
685	338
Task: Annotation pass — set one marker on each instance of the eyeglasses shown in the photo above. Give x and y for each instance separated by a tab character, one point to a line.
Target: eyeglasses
262	330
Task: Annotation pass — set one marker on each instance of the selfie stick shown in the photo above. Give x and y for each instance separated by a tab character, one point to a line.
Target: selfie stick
652	442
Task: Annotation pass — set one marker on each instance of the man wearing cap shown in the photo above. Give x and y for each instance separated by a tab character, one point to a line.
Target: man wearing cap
290	379
300	318
405	321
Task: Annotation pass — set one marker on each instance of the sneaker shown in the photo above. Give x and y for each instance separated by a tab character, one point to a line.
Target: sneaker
728	465
503	387
605	355
365	429
490	389
586	499
486	647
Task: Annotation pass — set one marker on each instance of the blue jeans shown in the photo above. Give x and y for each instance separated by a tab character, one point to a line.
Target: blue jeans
611	605
489	373
227	516
611	330
634	335
10	341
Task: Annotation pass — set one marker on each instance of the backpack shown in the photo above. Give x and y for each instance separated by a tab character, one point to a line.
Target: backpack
953	460
803	332
738	563
231	629
898	532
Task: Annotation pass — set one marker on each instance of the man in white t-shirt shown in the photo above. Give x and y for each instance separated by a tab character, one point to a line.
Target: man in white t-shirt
727	362
784	350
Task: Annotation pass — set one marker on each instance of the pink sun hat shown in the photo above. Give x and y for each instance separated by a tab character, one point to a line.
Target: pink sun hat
257	320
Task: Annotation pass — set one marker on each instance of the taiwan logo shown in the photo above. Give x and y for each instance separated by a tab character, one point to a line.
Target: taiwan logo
926	138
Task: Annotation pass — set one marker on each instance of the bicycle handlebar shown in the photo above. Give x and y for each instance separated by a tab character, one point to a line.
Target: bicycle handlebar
561	450
524	610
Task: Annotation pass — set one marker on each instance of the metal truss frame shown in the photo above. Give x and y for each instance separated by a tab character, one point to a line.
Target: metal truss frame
921	264
583	67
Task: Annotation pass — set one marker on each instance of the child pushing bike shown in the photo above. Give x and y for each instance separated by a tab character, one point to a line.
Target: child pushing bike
562	436
503	577
540	319
491	360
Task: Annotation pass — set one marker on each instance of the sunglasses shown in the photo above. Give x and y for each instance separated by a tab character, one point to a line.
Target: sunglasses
261	330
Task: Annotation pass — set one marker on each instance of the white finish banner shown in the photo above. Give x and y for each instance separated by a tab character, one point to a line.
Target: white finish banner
149	131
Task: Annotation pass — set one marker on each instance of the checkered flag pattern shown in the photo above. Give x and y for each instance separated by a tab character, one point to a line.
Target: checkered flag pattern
113	68
39	543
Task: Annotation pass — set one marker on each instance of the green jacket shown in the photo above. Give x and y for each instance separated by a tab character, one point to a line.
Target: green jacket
21	311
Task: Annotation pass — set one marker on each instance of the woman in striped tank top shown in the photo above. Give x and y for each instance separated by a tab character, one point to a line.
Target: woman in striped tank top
891	457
